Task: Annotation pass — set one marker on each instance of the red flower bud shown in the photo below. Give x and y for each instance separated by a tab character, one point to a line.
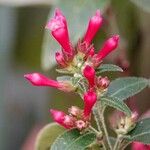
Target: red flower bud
62	119
89	74
108	46
140	146
91	52
69	121
60	59
94	24
38	79
58	116
59	15
59	30
89	100
134	116
102	82
74	111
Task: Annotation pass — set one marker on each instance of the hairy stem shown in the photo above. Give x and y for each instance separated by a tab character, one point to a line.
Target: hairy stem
96	117
117	143
94	130
124	145
98	113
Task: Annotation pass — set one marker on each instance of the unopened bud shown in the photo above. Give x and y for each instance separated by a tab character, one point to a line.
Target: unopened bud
94	25
89	100
69	121
102	82
126	124
110	45
74	111
89	74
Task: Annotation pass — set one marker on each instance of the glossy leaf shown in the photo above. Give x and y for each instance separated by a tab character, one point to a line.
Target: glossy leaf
141	133
123	88
73	140
143	4
47	135
77	17
108	68
117	104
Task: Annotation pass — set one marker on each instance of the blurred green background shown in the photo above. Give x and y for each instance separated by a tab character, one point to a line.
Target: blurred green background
26	47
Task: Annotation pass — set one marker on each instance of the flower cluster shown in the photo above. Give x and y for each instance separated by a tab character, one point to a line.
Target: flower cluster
81	61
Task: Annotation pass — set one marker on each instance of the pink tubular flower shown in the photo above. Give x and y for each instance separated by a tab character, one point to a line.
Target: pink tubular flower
89	100
140	146
58	116
93	26
108	46
60	59
59	30
91	52
89	74
38	79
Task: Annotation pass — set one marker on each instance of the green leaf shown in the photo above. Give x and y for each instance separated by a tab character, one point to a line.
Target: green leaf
108	68
77	18
123	88
73	140
143	4
141	132
117	104
47	135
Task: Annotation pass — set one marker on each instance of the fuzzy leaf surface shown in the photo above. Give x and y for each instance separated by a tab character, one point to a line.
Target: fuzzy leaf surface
141	133
117	104
73	140
108	68
125	87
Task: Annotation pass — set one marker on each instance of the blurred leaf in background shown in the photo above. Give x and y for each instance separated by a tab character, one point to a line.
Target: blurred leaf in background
144	4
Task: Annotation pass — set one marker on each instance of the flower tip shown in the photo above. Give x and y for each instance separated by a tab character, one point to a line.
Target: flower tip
54	24
32	76
51	111
98	13
58	12
27	76
135	116
116	38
